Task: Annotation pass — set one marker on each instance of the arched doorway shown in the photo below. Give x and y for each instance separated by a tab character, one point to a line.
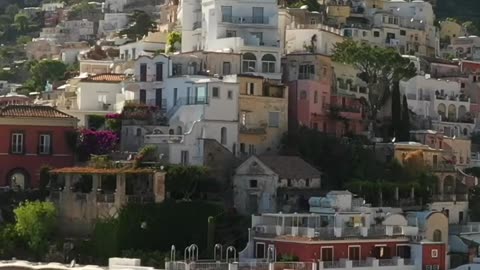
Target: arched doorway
18	179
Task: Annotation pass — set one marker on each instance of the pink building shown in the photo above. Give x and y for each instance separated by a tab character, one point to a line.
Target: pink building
312	102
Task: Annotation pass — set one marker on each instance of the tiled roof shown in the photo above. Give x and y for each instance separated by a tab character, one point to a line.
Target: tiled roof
107	77
292	167
37	111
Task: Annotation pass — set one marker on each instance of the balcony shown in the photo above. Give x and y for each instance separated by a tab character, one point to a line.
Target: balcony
245	19
164	139
370	263
105	198
253	129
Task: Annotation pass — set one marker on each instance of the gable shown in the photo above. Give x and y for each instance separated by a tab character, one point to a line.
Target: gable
253	166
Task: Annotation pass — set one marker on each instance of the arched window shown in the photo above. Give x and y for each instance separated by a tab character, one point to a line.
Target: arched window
268	63
223	135
465	132
139	132
437	236
249	62
179	130
171	132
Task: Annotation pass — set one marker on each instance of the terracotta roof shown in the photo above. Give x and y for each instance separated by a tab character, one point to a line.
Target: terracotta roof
36	111
107	77
92	170
292	167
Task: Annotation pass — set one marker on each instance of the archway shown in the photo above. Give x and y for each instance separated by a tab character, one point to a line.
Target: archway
462	110
442	109
449	184
452	112
18	178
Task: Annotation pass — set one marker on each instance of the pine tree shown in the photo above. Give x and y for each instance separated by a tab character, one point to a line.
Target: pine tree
396	110
405	133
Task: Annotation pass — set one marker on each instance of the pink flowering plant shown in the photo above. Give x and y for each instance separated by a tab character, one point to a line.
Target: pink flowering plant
93	142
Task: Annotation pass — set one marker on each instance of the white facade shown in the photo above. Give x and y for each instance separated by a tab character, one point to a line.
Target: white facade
79	29
149	45
100	96
457	211
112	23
194	113
52	6
115	5
248	27
443	101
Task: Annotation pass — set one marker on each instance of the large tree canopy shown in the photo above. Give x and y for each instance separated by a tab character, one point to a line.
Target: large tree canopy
140	25
378	67
47	70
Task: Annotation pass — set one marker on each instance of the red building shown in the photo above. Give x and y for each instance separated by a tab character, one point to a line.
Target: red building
342	232
33	136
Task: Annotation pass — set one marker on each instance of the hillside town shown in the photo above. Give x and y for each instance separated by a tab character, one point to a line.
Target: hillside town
239	135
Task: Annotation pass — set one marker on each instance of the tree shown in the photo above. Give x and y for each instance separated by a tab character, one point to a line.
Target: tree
21	22
12	10
396	111
47	70
22	40
35	224
183	181
173	38
140	25
470	28
378	67
405	124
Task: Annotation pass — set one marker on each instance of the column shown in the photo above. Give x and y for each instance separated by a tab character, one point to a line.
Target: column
95	183
120	197
68	182
158	186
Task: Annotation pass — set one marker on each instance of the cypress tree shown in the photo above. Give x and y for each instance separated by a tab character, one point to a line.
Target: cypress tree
396	110
405	120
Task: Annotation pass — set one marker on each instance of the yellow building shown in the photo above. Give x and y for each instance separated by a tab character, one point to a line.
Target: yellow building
263	114
338	13
450	30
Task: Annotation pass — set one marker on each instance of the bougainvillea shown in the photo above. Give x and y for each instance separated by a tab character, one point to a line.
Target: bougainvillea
97	142
113	116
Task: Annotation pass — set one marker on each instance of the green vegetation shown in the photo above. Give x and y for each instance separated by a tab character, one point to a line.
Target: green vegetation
380	68
185	182
140	24
173	38
351	163
43	71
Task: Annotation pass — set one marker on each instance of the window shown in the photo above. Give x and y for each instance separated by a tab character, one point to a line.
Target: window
242	148
249	63
364	33
158	98
289	182
143	96
403	33
227	14
253	183
175	95
139	132
376	34
434	253
315	97
251	149
327	254
231	33
184	158
268	63
227	68
143	72
251	89
306	72
259	36
177	69
303	94
307	182
437	236
44	144
230	94
17	143
257	14
260	250
159	72
274	119
134	53
223	135
215	92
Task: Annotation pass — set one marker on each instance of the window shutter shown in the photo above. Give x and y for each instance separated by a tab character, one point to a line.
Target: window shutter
51	144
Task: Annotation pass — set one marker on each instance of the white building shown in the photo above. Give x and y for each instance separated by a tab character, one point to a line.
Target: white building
112	23
79	29
93	95
52	6
114	5
236	26
406	26
261	184
442	101
150	45
197	108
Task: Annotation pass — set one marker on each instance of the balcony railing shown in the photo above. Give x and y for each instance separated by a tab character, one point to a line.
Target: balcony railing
164	139
245	19
449	197
254	130
197	25
386	262
106	198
